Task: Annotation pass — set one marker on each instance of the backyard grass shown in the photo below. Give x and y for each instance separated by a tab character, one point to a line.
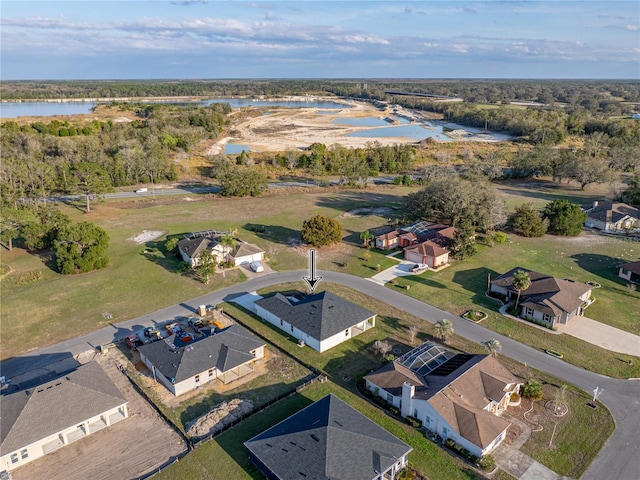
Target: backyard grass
227	457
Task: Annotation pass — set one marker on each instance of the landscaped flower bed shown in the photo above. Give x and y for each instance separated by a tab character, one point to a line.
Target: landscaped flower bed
474	315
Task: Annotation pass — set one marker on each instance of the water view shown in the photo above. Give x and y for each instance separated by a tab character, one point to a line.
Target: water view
50	109
235	148
414	131
44	109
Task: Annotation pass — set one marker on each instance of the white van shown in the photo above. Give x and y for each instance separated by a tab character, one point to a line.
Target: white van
256	267
141	190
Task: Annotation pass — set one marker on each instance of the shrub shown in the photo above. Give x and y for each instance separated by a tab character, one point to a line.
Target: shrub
413	421
532	390
394	410
449	443
500	237
487	463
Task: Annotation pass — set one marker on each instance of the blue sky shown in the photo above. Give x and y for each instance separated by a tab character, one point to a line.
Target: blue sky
94	39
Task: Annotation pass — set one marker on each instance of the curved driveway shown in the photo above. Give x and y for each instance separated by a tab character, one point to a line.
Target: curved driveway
618	460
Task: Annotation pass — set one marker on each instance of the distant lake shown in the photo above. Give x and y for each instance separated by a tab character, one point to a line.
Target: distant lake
370	121
44	109
50	109
246	102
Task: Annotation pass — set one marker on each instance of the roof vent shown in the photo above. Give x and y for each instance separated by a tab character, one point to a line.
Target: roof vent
314	436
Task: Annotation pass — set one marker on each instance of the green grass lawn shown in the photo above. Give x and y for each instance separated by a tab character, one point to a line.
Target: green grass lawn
59	307
584	258
227	457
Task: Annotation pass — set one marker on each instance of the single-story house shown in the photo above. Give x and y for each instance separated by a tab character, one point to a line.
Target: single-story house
456	395
409	235
388	241
244	253
39	420
322	320
328	440
630	271
193	244
612	217
429	253
183	366
549	301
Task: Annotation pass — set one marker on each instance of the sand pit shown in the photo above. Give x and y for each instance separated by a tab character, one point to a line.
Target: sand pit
147	236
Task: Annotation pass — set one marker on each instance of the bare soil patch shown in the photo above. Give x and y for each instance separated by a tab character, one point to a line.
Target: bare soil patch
128	449
218	417
147	236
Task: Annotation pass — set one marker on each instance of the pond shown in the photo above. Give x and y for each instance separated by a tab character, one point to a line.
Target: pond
235	148
414	131
246	102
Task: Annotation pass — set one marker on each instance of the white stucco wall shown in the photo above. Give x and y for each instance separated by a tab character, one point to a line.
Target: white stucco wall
62	438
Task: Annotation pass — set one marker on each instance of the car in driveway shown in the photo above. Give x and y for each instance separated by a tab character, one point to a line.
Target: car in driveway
419	267
256	267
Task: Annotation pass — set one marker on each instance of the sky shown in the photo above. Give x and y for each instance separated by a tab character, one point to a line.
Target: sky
216	39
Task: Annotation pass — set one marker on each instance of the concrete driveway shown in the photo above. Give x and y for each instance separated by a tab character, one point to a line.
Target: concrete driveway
602	335
402	269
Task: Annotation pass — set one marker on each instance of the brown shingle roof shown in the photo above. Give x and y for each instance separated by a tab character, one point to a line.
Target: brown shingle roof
547	294
429	248
613	212
633	267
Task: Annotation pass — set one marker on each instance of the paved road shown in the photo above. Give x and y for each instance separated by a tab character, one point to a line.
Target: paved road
619	459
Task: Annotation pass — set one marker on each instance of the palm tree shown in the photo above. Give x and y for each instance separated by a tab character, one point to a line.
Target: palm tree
366	237
443	328
521	281
492	345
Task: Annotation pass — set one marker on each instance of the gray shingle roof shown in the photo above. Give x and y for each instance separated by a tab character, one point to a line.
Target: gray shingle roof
320	315
224	350
243	249
327	440
30	415
193	247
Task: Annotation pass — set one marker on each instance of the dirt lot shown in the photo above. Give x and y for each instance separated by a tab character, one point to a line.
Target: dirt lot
128	449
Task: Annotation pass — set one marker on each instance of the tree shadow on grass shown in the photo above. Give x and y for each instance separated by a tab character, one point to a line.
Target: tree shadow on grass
603	266
346	200
155	251
273	233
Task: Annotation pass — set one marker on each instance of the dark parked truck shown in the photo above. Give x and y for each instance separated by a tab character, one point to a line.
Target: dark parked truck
134	341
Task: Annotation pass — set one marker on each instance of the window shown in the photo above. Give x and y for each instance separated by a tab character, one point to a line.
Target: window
292	328
24	454
211	372
415	412
14	458
197	378
546	317
389	398
444	431
625	271
528	311
427	419
346	332
281	322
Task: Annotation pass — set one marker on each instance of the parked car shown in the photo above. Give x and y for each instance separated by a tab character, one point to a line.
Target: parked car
256	267
152	333
134	341
141	190
419	267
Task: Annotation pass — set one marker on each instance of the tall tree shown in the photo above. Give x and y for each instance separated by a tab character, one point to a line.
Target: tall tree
526	221
366	237
565	218
444	329
81	248
206	266
90	179
12	221
521	281
320	230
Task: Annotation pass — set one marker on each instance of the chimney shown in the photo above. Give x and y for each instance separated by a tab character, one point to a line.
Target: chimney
406	406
